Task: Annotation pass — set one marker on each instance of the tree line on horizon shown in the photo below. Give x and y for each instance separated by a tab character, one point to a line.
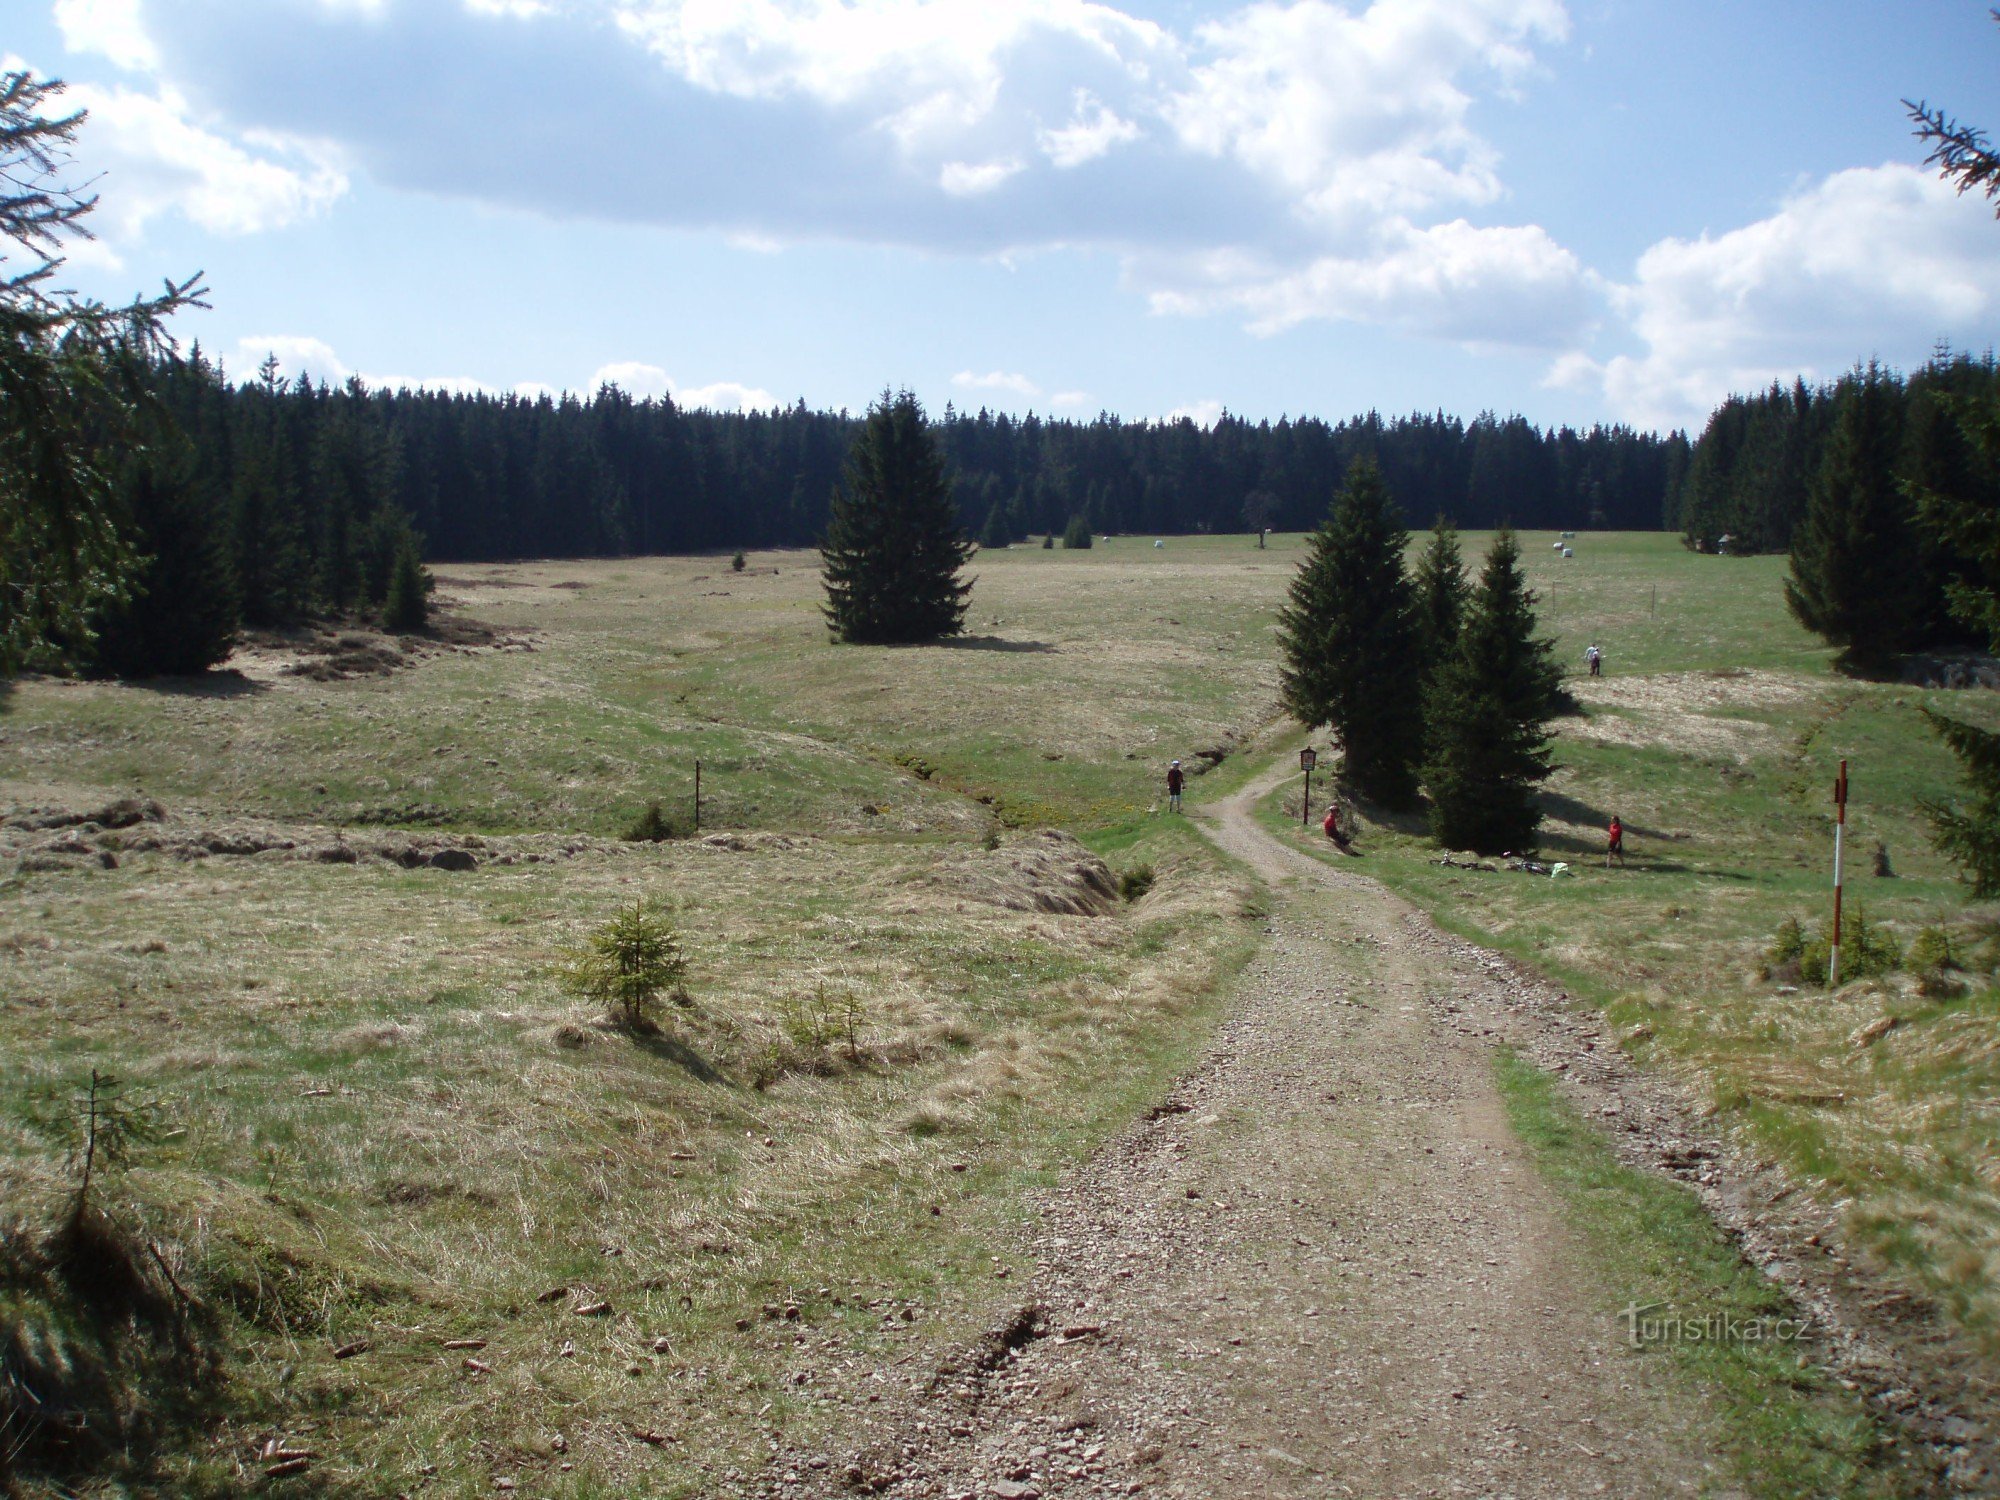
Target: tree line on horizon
275	501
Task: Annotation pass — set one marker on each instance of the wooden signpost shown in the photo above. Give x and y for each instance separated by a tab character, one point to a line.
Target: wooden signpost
1308	757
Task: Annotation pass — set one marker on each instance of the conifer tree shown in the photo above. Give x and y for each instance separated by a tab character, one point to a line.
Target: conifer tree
1970	836
73	388
1441	596
1857	577
1489	708
1349	638
407	607
995	532
178	616
893	548
1077	535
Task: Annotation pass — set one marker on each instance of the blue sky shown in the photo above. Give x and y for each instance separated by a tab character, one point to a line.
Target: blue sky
1606	210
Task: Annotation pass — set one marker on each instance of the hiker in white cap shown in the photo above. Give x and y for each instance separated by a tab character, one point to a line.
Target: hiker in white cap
1174	780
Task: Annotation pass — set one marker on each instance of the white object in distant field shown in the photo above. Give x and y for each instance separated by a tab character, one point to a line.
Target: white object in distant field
1568	553
1557	545
1159	544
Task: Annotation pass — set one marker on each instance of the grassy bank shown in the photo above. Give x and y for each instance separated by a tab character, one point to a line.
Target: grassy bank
388	1130
1685	1295
1716	735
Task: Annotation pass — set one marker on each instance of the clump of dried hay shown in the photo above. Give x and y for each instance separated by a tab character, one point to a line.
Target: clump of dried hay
1048	871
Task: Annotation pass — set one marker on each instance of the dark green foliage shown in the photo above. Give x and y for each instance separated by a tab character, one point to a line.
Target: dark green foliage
1865	951
493	477
407	607
1048	543
1489	708
628	964
736	563
1858	578
1441	594
1970	835
655	825
179	613
75	392
893	548
997	532
1077	534
1135	882
1956	490
1349	638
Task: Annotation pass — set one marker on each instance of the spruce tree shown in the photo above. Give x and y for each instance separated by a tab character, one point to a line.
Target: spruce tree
1970	836
1857	578
1077	535
407	607
1489	708
1441	596
178	617
1349	638
995	532
893	547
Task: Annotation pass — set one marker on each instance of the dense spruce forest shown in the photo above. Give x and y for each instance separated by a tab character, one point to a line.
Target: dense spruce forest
1754	466
308	487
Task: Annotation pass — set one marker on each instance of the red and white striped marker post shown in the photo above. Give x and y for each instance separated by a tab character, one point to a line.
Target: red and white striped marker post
1839	830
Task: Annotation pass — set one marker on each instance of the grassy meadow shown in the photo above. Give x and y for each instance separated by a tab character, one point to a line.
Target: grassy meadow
1716	734
390	1126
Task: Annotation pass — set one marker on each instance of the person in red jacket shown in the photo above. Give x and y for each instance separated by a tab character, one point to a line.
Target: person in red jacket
1615	848
1332	824
1174	783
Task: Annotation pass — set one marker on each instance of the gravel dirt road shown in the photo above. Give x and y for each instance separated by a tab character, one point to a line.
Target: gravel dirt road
1323	1266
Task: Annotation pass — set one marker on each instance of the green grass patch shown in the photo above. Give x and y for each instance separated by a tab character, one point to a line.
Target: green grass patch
1786	1427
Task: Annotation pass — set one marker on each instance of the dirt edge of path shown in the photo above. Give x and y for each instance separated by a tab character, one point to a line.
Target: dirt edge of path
1888	1342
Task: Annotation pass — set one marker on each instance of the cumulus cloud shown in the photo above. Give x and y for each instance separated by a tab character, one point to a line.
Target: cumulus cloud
152	153
1512	287
651	382
997	380
157	159
1359	114
964	179
109	28
1093	130
1070	398
1304	145
302	354
296	354
1201	413
1876	261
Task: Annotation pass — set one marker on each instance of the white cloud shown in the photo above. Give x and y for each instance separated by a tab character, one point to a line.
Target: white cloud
646	381
996	380
1070	398
1358	114
111	28
1306	147
157	159
725	395
296	355
1876	261
638	380
1510	287
519	10
1201	413
1092	131
964	179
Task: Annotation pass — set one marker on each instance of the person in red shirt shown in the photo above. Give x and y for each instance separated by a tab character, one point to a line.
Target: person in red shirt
1174	783
1332	824
1615	848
